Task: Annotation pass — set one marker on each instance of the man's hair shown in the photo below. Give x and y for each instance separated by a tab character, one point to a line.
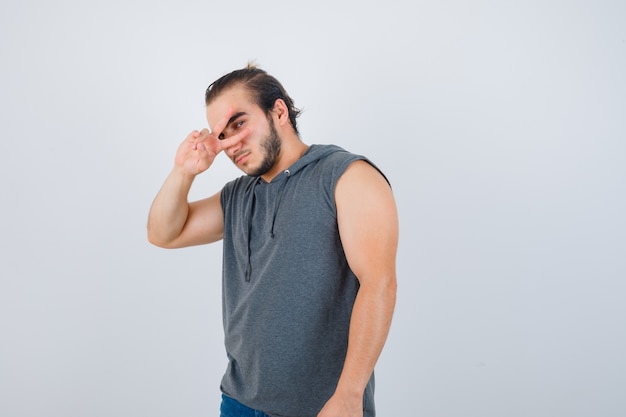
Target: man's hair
263	88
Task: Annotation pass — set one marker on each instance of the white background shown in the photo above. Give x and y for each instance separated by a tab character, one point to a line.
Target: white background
501	125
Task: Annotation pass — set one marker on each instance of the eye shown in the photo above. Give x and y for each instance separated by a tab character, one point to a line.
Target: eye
232	127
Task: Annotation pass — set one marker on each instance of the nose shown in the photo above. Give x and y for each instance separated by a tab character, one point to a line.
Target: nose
232	150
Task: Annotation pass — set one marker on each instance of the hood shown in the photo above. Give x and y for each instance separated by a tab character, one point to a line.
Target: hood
314	153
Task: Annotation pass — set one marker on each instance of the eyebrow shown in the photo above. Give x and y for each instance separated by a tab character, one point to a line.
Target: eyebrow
235	117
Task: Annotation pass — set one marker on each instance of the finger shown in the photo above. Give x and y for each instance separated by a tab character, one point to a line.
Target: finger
192	138
221	125
233	140
203	134
196	137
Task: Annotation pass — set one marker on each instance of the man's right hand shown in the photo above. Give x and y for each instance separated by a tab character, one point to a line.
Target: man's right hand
199	149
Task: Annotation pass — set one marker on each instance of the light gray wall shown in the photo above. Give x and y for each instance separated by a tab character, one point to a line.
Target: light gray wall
500	124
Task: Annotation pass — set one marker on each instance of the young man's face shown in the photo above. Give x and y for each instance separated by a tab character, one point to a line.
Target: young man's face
258	152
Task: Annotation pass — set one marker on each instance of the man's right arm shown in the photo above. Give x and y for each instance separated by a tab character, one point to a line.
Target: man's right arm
175	223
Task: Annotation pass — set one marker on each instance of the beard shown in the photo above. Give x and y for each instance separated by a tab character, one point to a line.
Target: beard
271	148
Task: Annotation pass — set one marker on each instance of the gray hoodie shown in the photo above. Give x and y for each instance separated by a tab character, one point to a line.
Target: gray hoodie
288	291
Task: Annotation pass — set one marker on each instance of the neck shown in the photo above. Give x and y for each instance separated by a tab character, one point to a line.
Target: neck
292	149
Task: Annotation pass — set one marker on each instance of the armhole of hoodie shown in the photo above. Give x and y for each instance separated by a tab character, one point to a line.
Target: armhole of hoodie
223	195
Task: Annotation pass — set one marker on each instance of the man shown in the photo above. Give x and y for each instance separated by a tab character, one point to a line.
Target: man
309	240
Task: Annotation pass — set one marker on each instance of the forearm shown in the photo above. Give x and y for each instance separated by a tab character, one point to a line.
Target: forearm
369	327
169	209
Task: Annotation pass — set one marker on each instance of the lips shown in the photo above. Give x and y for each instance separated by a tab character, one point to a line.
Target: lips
239	159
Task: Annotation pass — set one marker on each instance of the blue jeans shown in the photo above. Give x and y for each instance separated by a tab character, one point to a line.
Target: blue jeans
233	408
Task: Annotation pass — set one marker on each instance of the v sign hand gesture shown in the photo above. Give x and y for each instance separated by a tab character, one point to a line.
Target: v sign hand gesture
199	149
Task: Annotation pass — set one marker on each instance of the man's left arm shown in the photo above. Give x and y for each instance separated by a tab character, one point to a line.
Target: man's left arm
368	226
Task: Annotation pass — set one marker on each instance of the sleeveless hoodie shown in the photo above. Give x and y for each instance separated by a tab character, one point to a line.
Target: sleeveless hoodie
288	291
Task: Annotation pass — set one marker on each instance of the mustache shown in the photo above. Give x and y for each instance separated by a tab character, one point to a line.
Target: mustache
238	154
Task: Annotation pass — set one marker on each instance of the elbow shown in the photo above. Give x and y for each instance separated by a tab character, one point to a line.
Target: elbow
161	244
157	240
383	286
390	289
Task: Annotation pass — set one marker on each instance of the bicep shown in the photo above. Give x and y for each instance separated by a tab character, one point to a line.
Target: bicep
368	222
205	223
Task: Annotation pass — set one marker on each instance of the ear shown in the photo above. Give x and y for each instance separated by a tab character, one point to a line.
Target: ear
281	112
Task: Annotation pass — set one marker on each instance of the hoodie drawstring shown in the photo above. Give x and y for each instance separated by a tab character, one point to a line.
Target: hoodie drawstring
250	211
248	230
280	197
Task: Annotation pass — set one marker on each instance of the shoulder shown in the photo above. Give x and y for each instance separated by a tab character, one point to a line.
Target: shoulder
238	184
363	196
236	188
362	175
336	155
337	160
